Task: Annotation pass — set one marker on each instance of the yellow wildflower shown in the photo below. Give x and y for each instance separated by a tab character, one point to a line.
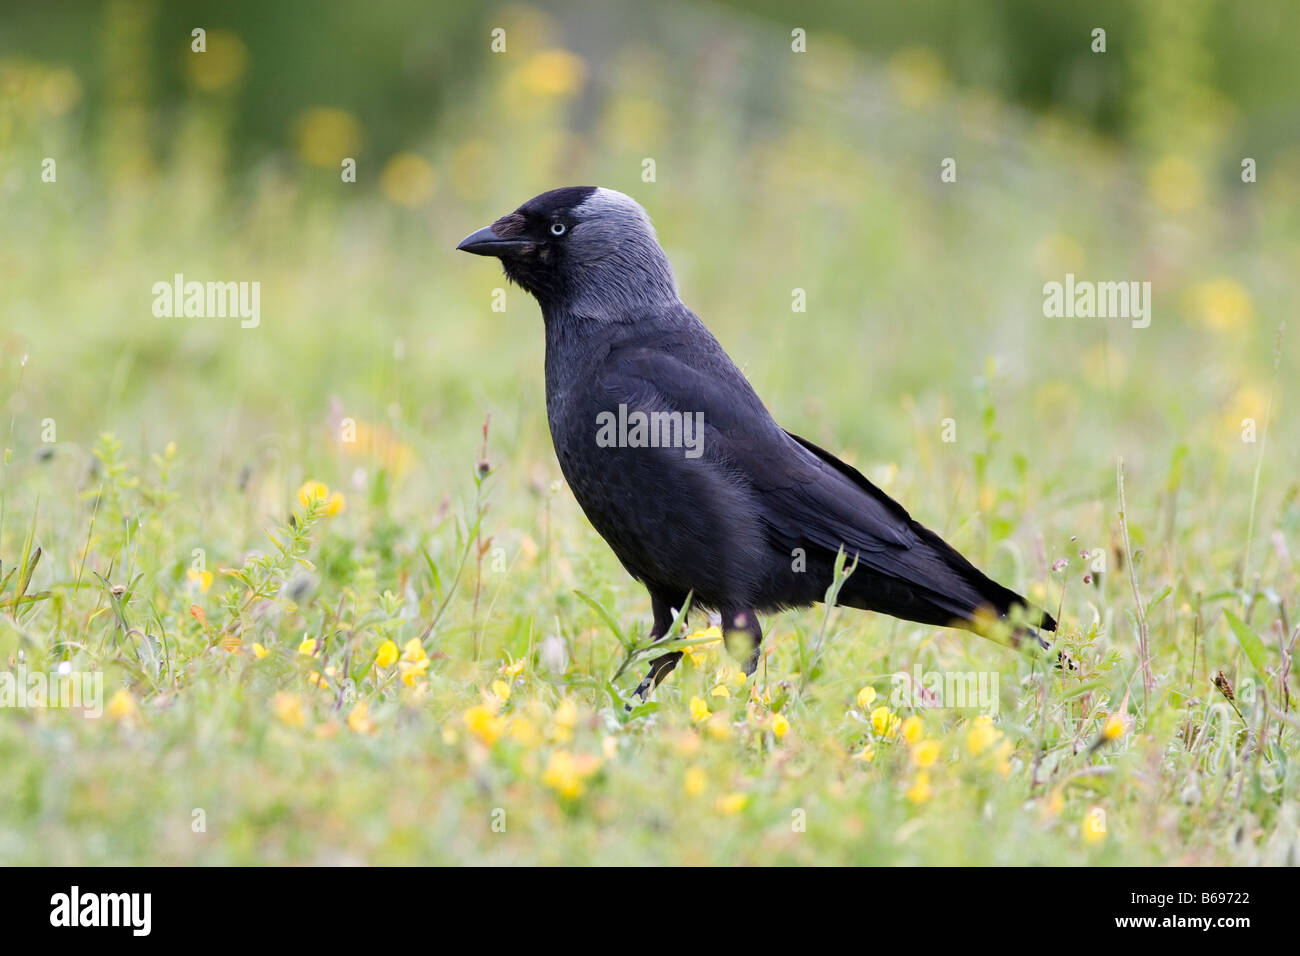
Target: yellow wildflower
866	697
202	578
699	710
501	689
866	754
287	709
982	736
695	781
884	722
386	656
121	706
780	726
566	772
336	503
311	491
1114	727
308	646
1093	827
359	721
919	792
732	803
925	753
912	729
483	722
259	651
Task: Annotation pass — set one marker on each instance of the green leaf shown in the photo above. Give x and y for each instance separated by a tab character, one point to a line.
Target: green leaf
1250	643
606	617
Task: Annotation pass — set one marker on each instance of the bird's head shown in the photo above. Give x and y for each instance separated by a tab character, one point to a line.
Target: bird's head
582	247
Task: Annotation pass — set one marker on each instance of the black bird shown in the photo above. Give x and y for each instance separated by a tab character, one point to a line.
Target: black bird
678	464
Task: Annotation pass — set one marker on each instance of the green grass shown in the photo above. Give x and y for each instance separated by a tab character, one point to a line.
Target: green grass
184	442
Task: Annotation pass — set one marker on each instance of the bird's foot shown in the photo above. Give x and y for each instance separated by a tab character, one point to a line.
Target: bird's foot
659	669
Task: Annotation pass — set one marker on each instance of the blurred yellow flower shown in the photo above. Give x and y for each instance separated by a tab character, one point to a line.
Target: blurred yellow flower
912	729
553	72
482	721
413	650
386	656
1093	827
564	720
866	754
566	772
982	735
287	708
884	722
324	136
695	782
1113	728
1222	304
312	491
121	706
919	792
720	690
501	689
408	180
202	578
866	697
524	732
1003	757
308	646
699	709
780	726
732	803
259	651
375	443
359	721
925	753
336	503
1175	184
222	65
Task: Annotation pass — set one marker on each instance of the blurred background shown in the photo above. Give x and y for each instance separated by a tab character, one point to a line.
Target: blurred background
773	171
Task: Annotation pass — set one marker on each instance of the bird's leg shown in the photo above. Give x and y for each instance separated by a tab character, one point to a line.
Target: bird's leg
661	666
742	628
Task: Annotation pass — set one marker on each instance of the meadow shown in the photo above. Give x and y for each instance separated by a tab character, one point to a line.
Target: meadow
347	611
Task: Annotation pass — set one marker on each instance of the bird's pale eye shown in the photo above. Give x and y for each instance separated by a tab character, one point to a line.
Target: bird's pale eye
558	228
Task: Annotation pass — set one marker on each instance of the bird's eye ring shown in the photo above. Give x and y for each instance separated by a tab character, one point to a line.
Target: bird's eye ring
558	228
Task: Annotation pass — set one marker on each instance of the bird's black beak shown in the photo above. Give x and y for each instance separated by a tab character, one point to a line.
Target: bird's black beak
485	242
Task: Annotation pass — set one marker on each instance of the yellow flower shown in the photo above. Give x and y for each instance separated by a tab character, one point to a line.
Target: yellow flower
695	781
919	792
386	656
718	728
121	706
912	729
925	753
866	754
1003	755
408	180
1093	827
413	671
1222	303
720	690
359	719
566	772
780	726
982	736
501	689
514	669
524	732
866	697
336	504
1114	727
1054	803
221	65
732	803
413	650
483	722
287	709
699	710
312	491
553	73
202	578
884	722
259	651
325	137
564	720
308	646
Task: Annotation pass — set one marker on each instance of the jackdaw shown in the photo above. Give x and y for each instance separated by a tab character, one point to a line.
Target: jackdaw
680	467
